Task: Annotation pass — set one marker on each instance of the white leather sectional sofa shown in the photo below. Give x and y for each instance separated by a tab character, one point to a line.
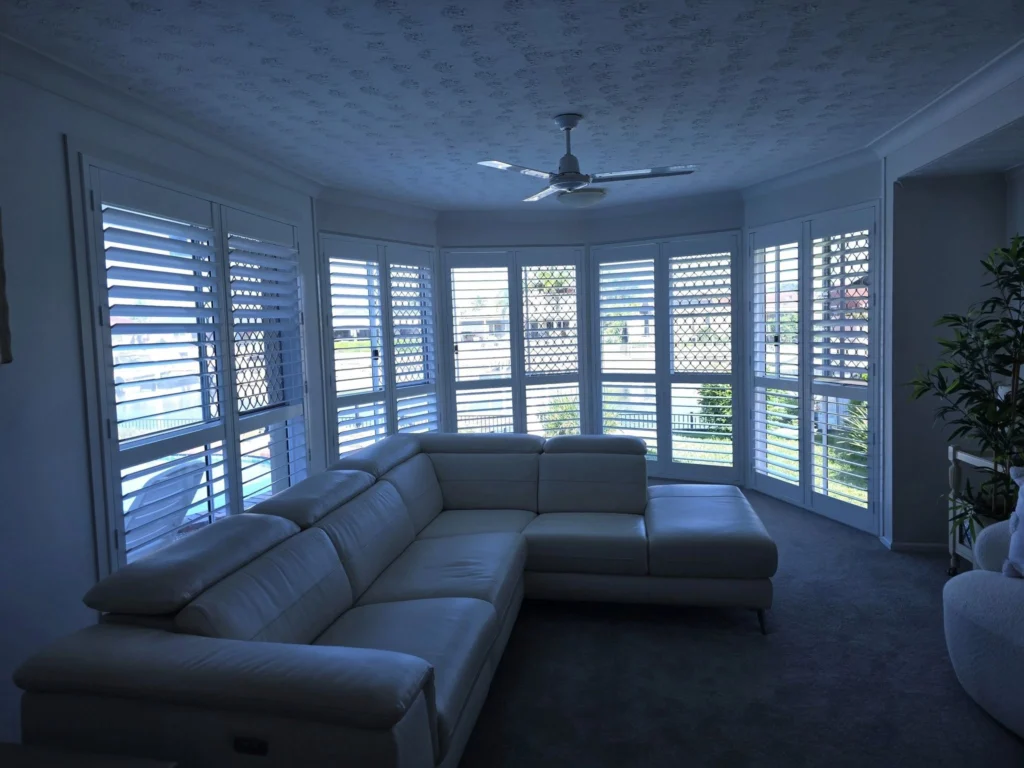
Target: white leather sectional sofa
357	619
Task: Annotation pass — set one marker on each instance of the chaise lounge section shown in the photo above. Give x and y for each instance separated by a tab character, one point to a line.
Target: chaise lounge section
358	617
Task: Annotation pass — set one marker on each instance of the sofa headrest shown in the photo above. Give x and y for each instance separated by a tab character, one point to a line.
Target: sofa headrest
167	580
436	442
381	457
596	444
306	502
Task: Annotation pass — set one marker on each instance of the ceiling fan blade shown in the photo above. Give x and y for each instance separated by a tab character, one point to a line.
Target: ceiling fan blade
540	195
517	168
647	173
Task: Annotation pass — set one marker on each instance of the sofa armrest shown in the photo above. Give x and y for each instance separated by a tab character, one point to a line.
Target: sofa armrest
356	687
992	546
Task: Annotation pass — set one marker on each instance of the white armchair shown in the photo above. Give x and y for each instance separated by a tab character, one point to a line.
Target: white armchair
983	613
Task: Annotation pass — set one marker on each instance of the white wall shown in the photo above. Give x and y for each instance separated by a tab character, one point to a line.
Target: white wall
47	549
683	216
1015	202
352	214
851	181
942	228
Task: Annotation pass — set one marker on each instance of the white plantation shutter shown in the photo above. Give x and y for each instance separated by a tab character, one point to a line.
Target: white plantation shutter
812	360
840	343
551	345
516	339
384	339
266	323
482	348
776	362
480	323
627	342
414	349
357	339
700	309
165	372
199	356
626	310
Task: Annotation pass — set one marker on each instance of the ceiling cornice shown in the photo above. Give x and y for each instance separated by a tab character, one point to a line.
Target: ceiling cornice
1001	72
38	69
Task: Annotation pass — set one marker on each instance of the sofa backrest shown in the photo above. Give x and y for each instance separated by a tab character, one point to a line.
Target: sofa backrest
490	471
593	473
289	594
417	484
380	457
164	582
311	499
369	532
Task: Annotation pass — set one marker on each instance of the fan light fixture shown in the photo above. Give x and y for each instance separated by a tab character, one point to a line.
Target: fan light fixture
583	198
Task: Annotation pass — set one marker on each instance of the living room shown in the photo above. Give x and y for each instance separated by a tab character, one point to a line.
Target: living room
263	266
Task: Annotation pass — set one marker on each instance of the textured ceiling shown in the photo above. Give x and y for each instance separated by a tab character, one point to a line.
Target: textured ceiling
995	152
400	98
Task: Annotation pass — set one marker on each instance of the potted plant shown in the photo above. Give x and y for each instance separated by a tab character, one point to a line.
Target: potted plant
977	383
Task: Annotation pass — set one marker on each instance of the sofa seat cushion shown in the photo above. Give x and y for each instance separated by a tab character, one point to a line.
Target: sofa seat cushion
452	634
587	542
708	536
693	491
458	522
487	566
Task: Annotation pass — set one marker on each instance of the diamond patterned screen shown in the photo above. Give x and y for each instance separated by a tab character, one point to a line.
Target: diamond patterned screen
701	308
550	330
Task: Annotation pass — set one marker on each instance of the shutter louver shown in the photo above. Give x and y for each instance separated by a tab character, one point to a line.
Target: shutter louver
776	311
776	327
626	315
631	409
777	434
414	351
480	323
164	314
840	351
484	410
839	326
267	329
360	425
700	309
553	409
161	279
418	413
626	324
356	318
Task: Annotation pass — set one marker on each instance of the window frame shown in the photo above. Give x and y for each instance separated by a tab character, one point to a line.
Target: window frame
383	254
804	231
94	183
662	251
514	260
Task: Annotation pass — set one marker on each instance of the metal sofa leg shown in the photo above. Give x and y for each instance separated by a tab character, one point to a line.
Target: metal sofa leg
762	621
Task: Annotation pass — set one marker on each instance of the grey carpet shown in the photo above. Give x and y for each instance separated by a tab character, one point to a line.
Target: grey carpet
854	673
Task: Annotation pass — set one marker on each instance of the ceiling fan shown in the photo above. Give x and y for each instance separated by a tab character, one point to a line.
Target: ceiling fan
569	183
